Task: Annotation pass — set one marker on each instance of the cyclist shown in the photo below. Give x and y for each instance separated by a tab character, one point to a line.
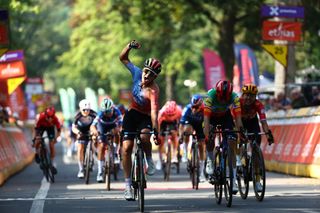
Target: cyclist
250	107
47	121
109	119
219	104
142	113
81	127
168	119
192	120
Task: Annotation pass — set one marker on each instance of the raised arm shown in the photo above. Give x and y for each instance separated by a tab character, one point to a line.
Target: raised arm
124	55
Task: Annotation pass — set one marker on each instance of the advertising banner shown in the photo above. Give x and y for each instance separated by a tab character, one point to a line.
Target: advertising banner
213	68
16	55
286	31
282	11
12	69
247	65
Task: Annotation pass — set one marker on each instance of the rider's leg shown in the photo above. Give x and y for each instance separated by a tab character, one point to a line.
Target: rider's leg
175	142
126	160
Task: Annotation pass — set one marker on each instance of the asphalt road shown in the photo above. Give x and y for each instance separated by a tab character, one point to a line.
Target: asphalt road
28	192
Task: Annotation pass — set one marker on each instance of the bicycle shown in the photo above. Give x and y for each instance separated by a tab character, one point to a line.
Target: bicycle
167	163
110	166
252	168
222	178
88	158
138	170
45	160
194	162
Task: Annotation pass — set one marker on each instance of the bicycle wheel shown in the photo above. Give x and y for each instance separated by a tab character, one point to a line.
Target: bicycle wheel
195	167
167	166
179	158
258	173
44	163
217	176
243	176
228	176
141	180
87	160
107	170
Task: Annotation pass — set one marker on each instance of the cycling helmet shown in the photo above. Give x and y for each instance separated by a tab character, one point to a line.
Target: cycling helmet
84	104
50	111
196	101
106	104
224	89
249	89
153	64
171	107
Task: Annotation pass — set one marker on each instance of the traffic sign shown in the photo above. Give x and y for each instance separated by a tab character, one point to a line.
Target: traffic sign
278	52
13	83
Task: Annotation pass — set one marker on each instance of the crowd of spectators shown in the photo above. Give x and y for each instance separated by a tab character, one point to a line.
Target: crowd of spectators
295	99
7	116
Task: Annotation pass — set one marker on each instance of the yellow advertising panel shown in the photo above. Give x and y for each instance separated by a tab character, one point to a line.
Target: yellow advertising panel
278	52
3	51
13	83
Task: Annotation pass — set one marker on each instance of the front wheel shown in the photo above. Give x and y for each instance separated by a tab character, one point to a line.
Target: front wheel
258	174
228	177
107	170
195	167
243	177
217	177
141	180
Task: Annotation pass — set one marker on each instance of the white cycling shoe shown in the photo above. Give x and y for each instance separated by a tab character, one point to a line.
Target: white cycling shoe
209	167
128	194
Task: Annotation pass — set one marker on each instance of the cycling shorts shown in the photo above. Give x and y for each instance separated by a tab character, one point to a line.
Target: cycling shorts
103	129
50	132
135	121
196	127
252	126
226	123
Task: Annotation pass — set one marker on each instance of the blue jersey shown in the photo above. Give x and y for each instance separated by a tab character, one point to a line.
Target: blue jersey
189	117
114	119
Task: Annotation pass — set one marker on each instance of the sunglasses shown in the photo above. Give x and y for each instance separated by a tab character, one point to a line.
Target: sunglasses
85	110
149	72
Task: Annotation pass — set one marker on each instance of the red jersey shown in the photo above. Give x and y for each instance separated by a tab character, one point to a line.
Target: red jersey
250	111
43	122
163	115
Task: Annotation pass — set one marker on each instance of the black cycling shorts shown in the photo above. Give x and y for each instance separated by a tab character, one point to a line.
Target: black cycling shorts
135	121
252	126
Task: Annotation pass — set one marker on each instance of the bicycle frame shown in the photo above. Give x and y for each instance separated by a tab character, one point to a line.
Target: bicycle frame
88	159
194	164
138	170
45	160
252	168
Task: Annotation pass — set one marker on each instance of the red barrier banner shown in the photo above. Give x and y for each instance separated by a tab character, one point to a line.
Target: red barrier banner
287	31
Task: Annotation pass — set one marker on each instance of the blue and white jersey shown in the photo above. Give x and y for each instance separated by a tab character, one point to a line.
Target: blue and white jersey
189	117
115	118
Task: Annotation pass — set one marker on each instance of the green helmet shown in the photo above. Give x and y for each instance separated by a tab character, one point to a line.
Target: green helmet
106	104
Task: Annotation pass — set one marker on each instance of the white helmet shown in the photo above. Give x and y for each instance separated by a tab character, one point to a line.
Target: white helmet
84	104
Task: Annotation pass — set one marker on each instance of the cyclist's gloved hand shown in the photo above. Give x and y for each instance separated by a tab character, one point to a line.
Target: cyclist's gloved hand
270	137
180	140
243	136
134	45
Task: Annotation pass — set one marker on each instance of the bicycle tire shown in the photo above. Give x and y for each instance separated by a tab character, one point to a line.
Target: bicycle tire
243	176
257	157
179	159
195	168
228	177
167	167
141	180
87	163
217	176
44	163
107	170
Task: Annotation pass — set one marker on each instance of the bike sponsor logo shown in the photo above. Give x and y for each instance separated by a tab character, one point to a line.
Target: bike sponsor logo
11	70
287	31
282	11
287	149
296	150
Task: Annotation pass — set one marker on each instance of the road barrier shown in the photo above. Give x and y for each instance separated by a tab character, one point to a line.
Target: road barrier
296	150
15	151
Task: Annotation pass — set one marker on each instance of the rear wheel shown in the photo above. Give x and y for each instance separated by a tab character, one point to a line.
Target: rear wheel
258	173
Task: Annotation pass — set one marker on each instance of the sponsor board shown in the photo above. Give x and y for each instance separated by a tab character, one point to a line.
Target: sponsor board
286	31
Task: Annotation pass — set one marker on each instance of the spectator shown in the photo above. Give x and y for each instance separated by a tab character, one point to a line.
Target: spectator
315	96
281	102
297	99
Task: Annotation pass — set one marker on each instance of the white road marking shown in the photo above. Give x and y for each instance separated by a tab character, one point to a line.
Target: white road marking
39	199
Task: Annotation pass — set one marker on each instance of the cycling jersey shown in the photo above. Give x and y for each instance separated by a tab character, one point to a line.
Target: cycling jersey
114	120
164	117
144	99
43	122
213	107
189	117
83	123
250	111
